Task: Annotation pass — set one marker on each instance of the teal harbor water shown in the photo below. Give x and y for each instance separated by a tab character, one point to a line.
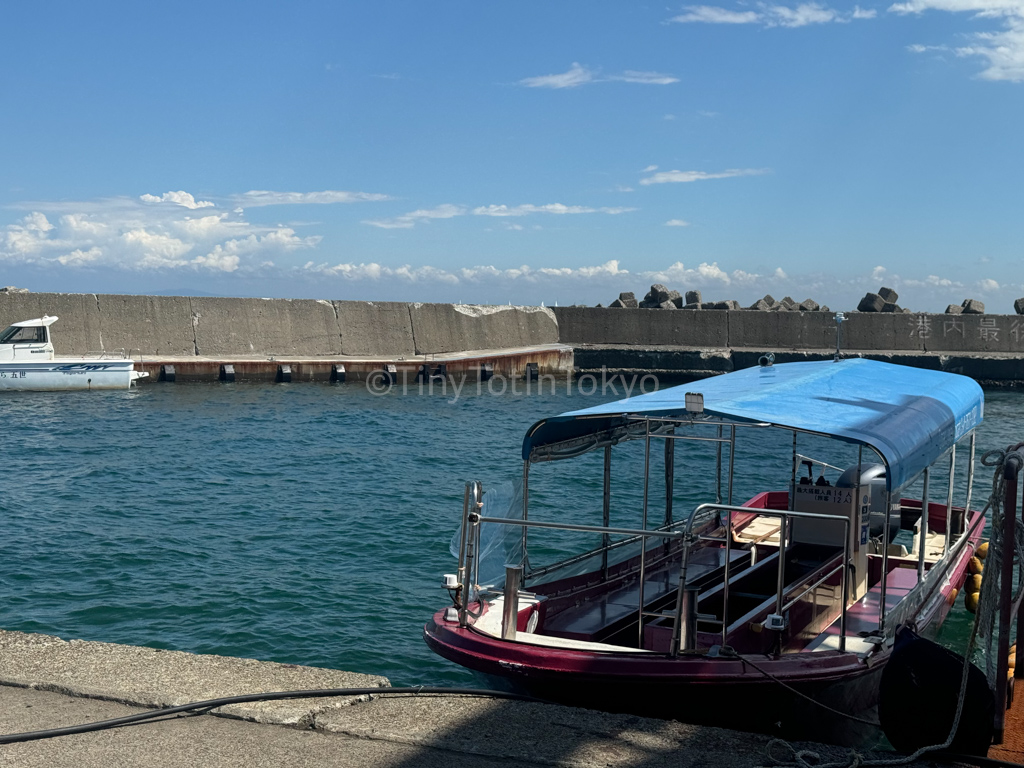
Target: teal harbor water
302	523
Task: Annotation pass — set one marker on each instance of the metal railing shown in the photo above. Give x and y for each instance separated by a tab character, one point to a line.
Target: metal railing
685	609
687	641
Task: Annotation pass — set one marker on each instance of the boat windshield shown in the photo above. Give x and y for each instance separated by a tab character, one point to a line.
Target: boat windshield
22	334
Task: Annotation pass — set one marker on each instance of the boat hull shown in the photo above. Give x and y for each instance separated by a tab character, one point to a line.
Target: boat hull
67	374
724	692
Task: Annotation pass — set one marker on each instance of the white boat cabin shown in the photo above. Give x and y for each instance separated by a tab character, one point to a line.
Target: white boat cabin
28	340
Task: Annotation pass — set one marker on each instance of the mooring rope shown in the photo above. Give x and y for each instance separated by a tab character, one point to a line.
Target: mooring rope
984	625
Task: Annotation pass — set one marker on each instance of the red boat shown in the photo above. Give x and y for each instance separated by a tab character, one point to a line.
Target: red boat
774	615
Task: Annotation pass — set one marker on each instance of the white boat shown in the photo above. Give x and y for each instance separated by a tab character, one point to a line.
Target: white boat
27	362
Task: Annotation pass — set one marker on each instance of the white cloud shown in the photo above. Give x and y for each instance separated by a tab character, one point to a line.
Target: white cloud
579	75
81	223
29	236
555	208
262	197
988	285
144	233
878	273
768	15
481	274
409	220
184	199
675	177
649	169
677	223
709	14
1003	49
576	76
916	48
648	78
78	256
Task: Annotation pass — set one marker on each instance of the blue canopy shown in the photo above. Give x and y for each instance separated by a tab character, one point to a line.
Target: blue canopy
910	416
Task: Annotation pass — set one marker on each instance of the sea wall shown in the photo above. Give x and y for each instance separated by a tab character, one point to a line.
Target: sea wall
177	326
180	329
779	331
696	343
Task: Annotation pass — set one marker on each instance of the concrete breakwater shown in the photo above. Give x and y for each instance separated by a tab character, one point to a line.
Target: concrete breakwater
698	343
258	338
198	336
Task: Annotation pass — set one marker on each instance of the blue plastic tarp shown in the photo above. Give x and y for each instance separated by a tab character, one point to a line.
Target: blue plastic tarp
910	416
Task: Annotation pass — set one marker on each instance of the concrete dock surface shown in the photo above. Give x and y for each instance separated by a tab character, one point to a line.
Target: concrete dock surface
47	682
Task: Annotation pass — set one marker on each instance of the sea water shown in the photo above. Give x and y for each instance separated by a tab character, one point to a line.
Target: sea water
305	523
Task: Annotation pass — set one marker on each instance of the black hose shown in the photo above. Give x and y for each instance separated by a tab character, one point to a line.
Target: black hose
209	704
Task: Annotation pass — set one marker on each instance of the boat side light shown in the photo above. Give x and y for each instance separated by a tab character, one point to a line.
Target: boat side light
694	402
775	622
451	613
451	581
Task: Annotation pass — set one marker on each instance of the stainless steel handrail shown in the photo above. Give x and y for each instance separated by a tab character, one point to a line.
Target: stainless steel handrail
785	516
470	507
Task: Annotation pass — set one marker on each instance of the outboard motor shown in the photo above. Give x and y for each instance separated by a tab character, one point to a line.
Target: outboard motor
872	478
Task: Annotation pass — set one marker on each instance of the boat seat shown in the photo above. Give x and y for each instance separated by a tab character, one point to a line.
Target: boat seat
611	612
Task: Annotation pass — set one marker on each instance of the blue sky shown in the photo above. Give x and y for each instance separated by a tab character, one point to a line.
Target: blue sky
527	152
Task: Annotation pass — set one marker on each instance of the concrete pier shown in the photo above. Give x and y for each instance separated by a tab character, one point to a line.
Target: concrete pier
46	682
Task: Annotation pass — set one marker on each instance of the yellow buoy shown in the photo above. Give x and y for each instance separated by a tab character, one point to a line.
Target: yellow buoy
952	596
982	550
971	601
973	583
975	566
1013	661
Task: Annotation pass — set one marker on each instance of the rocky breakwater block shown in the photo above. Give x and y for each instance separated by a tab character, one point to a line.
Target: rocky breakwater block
693	297
760	305
871	302
659	297
728	304
1018	306
628	300
808	305
954	309
889	295
973	307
